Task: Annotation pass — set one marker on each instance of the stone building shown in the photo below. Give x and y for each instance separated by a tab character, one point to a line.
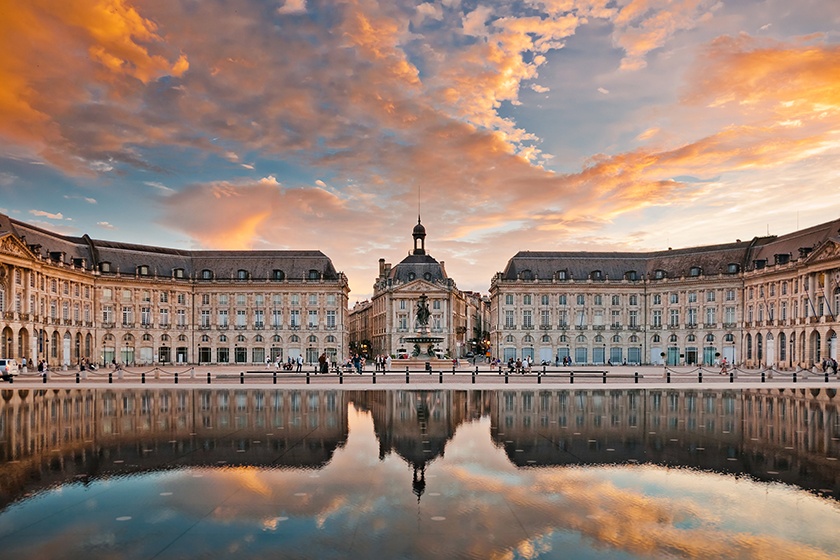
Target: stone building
388	323
771	301
64	299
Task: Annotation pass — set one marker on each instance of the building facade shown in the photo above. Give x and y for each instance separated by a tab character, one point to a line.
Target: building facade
388	323
772	301
66	299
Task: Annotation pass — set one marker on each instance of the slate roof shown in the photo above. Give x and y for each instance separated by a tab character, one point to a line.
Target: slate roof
126	257
418	266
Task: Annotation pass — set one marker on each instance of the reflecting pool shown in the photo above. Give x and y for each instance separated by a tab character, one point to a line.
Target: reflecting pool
239	473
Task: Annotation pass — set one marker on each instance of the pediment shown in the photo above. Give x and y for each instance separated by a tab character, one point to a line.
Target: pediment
420	286
11	245
829	249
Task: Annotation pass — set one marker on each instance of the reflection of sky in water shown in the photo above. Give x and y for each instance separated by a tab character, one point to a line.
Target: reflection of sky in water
476	504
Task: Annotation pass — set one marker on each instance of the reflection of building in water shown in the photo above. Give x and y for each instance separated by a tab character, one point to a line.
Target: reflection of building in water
773	431
60	433
417	425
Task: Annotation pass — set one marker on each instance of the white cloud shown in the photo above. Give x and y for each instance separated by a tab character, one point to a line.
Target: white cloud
159	186
49	215
6	179
603	90
105	225
540	89
474	23
292	7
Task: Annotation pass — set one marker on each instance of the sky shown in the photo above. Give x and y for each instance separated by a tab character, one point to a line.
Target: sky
567	125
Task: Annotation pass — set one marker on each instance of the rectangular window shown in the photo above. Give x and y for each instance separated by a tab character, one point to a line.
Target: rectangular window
580	319
205	318
313	299
164	317
508	299
403	322
127	315
205	299
634	300
277	299
223	318
730	295
526	319
710	295
259	319
147	296
563	319
181	317
331	299
223	355
634	318
259	300
331	318
783	311
294	299
674	297
164	297
656	320
599	300
312	319
182	299
509	319
561	300
615	318
276	318
107	314
145	316
657	299
580	299
294	318
544	300
692	316
436	305
599	317
240	299
241	319
674	318
729	315
771	311
402	305
526	299
545	318
711	319
223	299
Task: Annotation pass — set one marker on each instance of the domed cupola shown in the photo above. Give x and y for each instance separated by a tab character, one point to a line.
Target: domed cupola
419	235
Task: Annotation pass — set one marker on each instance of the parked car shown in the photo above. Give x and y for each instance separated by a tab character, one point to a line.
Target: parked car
8	369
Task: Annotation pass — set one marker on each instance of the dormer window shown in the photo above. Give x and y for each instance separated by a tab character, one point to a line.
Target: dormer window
526	275
278	275
659	274
596	275
732	268
562	275
427	276
242	274
695	271
314	275
631	275
178	273
758	264
143	270
782	258
104	267
206	274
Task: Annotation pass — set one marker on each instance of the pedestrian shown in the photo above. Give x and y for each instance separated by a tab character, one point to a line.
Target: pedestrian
723	367
322	363
388	362
299	363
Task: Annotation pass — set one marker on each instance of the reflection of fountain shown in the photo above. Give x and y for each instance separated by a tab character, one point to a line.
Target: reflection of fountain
423	335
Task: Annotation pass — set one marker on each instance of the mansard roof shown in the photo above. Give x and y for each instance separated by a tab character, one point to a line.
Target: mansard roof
545	265
127	257
416	266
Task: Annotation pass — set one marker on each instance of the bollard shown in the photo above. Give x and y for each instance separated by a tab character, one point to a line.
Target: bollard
668	375
571	377
500	369
700	375
762	376
506	376
208	378
474	373
636	377
242	378
110	377
732	376
45	377
406	375
143	377
539	377
307	377
374	377
794	376
453	369
605	377
340	377
826	376
440	374
274	377
176	378
77	377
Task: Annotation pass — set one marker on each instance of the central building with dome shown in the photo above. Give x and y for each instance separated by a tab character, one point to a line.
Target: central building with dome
389	323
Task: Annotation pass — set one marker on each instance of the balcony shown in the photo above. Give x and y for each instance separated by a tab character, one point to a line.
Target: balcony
709	325
510	327
259	326
656	327
312	327
330	327
730	325
634	328
276	327
221	327
527	327
545	327
240	327
204	327
128	325
108	325
294	327
615	327
673	327
581	327
599	327
146	325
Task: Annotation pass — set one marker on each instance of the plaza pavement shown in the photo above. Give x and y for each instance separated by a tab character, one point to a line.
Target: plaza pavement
442	376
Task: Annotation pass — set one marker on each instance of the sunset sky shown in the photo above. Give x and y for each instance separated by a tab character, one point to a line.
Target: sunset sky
525	125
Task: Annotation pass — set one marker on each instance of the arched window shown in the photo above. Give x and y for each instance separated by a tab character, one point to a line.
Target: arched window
710	338
222	338
182	338
205	338
690	338
563	339
242	274
294	338
672	338
616	338
314	275
147	337
143	270
631	275
164	338
509	339
278	275
528	339
206	274
258	338
729	338
656	338
330	338
276	338
782	347
580	339
526	275
596	275
695	271
240	338
634	338
312	339
599	339
545	339
659	274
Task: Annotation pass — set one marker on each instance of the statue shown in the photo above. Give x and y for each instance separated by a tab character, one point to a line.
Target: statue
423	312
